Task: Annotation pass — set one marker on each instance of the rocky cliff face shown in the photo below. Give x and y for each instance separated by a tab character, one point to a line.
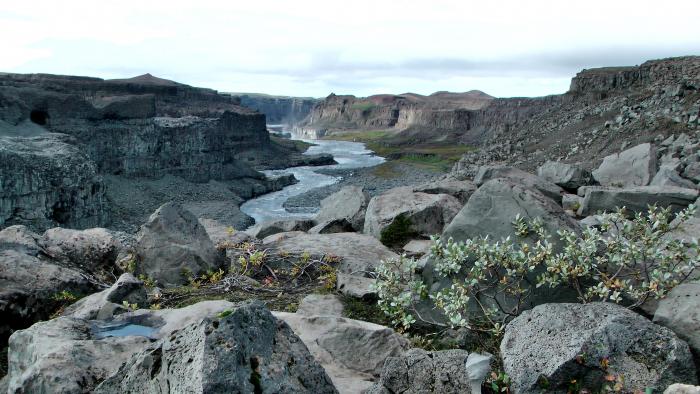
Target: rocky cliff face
278	109
604	110
46	181
139	127
441	110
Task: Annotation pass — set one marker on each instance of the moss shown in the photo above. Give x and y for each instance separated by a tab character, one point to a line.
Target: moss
398	232
369	311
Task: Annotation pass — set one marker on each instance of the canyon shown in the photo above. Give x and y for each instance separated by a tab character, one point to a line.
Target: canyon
62	134
603	109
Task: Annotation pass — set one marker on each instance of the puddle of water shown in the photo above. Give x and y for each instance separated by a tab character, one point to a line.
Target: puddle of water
124	331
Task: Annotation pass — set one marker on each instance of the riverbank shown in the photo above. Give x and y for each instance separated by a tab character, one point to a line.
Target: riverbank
375	180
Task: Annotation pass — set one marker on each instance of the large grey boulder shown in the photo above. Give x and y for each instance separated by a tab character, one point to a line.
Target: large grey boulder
247	351
91	250
419	372
490	213
636	199
543	349
547	188
19	238
107	303
633	167
29	288
351	351
461	190
666	177
61	356
492	209
568	176
173	244
401	209
349	203
268	228
680	312
72	355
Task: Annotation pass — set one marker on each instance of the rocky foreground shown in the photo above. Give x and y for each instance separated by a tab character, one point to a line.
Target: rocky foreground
148	330
189	304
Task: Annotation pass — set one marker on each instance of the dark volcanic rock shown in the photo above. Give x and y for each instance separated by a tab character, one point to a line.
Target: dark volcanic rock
247	351
172	245
47	181
279	109
28	289
543	349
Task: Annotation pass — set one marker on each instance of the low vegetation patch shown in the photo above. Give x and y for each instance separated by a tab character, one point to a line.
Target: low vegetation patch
625	261
280	279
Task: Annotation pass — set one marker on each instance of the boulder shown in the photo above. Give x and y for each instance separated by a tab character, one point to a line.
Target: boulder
419	371
692	171
680	312
173	244
247	350
350	203
667	177
61	356
490	213
568	176
332	226
321	305
417	247
356	286
547	188
400	213
492	209
633	167
29	288
571	202
351	351
678	388
543	349
92	250
461	190
636	199
107	303
358	253
268	228
19	238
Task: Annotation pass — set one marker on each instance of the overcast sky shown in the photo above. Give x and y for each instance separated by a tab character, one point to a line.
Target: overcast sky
313	48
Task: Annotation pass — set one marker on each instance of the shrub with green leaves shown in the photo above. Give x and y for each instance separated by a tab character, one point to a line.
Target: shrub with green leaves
624	261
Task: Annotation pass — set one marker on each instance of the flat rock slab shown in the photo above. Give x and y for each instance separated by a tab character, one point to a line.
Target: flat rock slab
636	199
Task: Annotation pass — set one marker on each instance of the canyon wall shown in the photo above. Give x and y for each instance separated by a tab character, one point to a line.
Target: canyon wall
278	109
139	127
603	109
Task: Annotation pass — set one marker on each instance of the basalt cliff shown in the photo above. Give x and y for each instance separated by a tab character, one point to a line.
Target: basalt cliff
603	109
60	135
438	111
278	109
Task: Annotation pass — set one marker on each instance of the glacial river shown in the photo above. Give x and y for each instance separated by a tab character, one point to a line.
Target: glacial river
348	155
